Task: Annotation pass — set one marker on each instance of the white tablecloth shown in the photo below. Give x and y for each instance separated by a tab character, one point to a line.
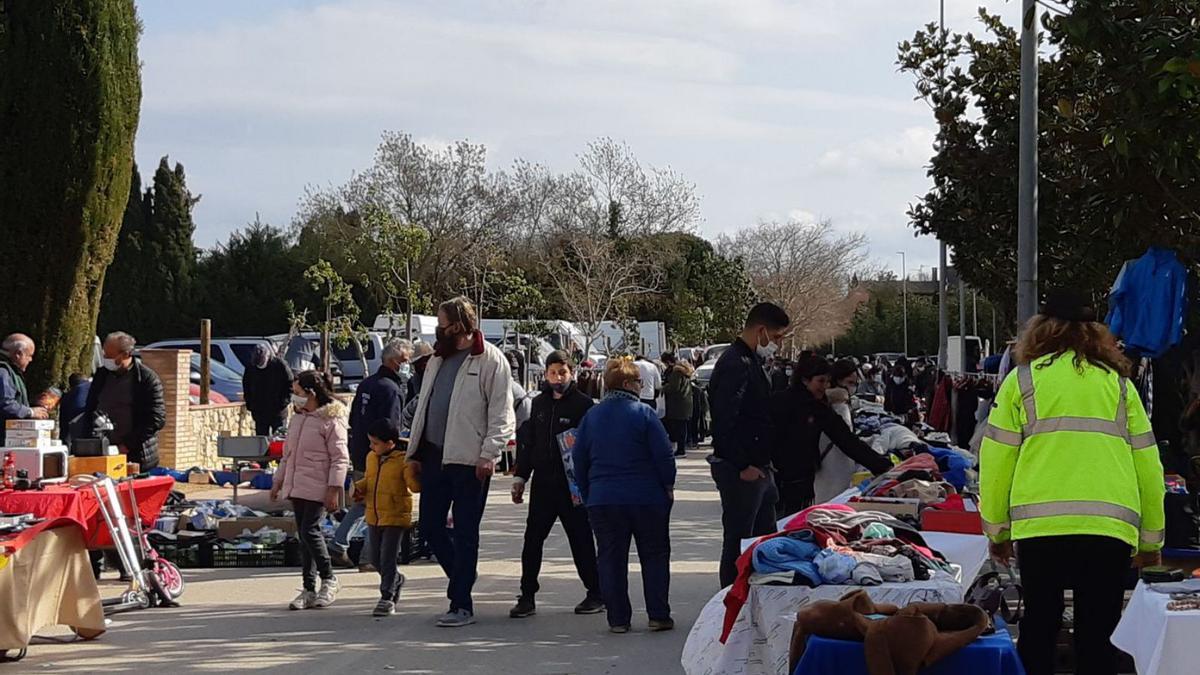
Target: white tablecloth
1161	642
759	641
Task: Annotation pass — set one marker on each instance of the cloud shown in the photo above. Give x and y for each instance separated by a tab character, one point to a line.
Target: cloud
909	150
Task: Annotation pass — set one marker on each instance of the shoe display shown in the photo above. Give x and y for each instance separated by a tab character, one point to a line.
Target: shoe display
659	625
384	608
303	601
524	607
456	619
590	605
327	594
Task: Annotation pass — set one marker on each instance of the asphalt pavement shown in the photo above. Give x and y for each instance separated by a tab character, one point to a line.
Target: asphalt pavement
237	619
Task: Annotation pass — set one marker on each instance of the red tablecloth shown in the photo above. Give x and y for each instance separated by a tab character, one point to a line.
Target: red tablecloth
80	505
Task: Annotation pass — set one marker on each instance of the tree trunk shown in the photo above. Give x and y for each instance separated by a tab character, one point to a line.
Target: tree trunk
69	102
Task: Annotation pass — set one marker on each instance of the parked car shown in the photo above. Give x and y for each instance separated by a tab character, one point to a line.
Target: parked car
237	353
346	358
223	379
713	352
303	352
704	374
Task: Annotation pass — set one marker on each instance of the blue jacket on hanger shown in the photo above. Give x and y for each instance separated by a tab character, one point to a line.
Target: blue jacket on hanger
1148	303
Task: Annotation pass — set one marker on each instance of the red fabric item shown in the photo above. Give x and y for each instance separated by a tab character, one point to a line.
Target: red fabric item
740	591
952	503
940	411
80	505
11	543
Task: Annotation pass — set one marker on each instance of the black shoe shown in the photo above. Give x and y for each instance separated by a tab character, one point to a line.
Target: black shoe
525	607
340	560
590	605
659	625
681	453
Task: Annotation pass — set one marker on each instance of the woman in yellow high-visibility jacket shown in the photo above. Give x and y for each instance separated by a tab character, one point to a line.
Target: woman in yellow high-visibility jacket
1069	469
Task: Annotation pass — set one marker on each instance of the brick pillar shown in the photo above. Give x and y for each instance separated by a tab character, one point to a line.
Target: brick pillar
176	447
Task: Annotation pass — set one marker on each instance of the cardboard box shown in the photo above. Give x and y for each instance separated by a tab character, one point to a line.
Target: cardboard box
200	478
29	424
232	527
11	434
891	505
11	442
113	466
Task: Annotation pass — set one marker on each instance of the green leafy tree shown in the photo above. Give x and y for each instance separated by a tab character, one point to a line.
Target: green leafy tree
243	284
70	93
1119	150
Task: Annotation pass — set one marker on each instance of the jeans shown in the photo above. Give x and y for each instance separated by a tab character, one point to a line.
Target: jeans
453	488
747	510
341	537
266	423
650	527
1095	569
550	500
314	557
385	547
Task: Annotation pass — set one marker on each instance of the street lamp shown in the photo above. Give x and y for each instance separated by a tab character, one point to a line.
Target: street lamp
904	293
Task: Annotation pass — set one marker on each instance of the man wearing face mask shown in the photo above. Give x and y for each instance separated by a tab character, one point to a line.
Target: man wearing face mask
15	356
131	395
739	394
463	421
267	389
380	396
558	408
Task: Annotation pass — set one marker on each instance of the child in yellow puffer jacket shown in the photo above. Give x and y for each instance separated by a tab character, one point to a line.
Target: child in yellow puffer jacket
386	488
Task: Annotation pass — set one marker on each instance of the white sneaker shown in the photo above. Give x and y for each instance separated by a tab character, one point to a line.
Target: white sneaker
303	601
456	619
327	594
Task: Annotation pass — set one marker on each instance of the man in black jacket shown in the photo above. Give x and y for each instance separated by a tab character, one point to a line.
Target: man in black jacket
801	414
131	395
739	396
267	390
558	408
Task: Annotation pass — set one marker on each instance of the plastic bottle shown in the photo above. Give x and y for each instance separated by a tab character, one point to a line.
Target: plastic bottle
10	471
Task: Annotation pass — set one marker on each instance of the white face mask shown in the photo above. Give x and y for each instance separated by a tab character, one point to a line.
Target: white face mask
768	351
898	380
299	401
109	364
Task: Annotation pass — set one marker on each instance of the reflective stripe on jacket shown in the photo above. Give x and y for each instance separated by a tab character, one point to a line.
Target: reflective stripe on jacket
1069	451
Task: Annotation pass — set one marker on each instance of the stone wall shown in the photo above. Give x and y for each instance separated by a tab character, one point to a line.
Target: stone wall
208	423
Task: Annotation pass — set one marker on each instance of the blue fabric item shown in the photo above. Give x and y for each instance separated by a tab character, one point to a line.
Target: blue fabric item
1148	303
834	567
988	655
261	482
178	476
793	553
622	454
953	466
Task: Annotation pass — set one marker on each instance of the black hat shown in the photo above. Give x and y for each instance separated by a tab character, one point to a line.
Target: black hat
1068	305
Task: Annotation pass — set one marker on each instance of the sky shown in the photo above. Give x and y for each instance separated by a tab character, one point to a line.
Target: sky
775	109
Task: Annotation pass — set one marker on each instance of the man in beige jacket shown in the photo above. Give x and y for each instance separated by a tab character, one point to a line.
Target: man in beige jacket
464	419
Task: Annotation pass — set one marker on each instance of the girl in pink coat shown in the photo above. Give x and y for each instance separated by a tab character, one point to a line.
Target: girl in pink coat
312	473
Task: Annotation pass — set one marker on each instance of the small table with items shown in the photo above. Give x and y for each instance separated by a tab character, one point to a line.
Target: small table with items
80	505
759	641
1161	640
46	579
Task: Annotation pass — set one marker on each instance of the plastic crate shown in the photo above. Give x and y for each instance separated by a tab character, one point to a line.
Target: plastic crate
193	555
274	556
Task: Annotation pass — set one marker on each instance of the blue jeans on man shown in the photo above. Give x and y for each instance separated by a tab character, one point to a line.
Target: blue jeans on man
341	537
453	489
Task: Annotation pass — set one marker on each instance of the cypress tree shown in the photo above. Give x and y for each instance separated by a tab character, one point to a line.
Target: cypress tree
69	100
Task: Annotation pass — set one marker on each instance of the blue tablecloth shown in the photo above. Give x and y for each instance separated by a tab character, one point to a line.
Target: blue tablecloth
988	655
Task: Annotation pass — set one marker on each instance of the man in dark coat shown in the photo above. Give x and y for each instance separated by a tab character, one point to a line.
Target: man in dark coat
131	395
739	397
558	408
16	353
380	396
267	390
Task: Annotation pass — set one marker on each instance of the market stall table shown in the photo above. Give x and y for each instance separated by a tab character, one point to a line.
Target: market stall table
46	579
80	505
992	654
758	644
1162	642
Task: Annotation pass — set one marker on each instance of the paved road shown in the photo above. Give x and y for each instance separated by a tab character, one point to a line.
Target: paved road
238	619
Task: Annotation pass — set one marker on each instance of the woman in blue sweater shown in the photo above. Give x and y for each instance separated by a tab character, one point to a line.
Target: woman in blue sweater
625	469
